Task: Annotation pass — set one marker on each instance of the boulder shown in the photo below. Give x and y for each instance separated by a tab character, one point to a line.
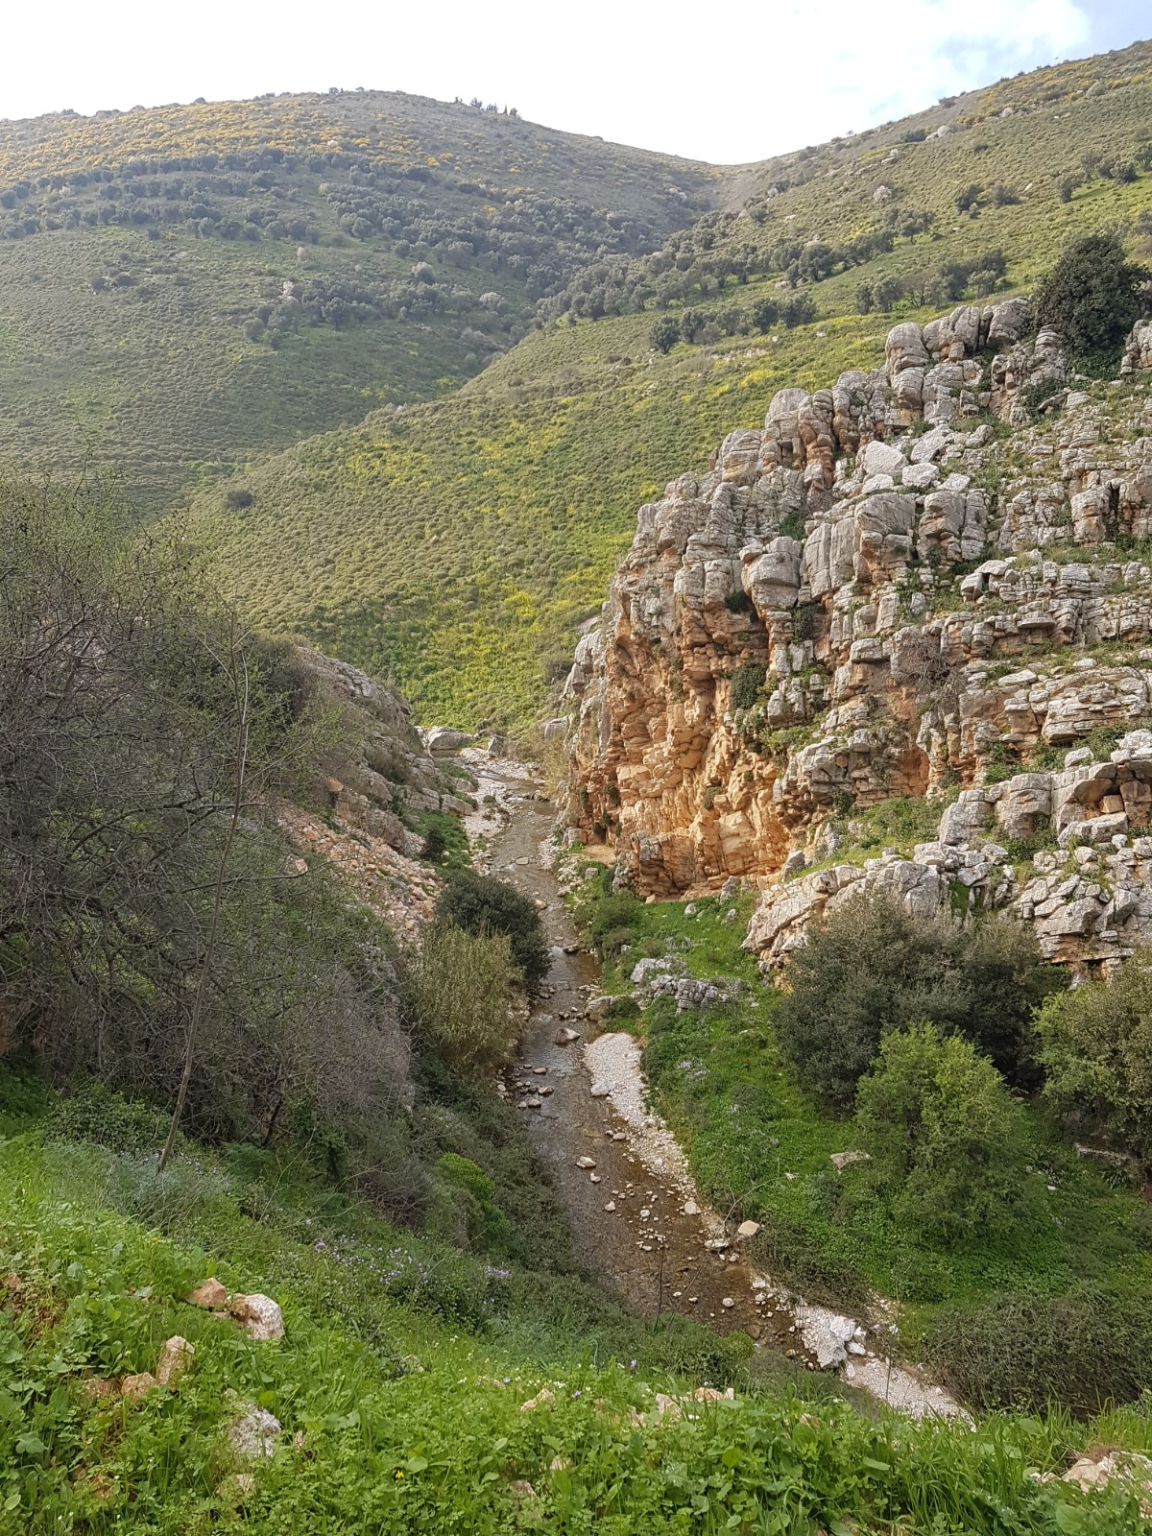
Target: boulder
771	576
1025	804
826	1334
137	1386
253	1432
965	820
209	1293
882	459
175	1358
905	349
258	1315
441	738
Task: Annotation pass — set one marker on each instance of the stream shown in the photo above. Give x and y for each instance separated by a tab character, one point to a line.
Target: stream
639	1223
651	1246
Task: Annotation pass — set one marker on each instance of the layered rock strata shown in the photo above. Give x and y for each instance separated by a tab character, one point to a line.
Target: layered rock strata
887	591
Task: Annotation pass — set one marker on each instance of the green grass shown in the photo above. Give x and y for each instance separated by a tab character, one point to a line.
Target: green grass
459	545
409	1422
761	1147
166	370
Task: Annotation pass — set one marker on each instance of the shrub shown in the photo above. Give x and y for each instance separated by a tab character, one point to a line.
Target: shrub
747	684
1086	1349
482	905
944	1133
95	1114
800	309
1092	295
614	920
764	315
458	991
873	968
1096	1049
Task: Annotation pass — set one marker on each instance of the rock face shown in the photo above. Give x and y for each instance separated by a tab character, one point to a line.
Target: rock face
857	603
394	770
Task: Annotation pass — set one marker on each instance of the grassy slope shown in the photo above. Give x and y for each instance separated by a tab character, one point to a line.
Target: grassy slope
458	544
760	1146
160	377
409	1416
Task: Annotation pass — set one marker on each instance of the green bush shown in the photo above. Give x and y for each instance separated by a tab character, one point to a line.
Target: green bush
1092	297
480	904
458	992
945	1135
747	685
613	920
1096	1050
873	968
1086	1350
94	1113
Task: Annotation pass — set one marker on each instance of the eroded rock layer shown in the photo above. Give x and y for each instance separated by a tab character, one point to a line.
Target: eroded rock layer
890	590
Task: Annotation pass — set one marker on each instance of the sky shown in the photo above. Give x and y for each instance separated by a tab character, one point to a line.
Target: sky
727	83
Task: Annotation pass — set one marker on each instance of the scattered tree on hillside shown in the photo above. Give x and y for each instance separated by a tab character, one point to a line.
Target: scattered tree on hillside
1093	296
873	968
665	333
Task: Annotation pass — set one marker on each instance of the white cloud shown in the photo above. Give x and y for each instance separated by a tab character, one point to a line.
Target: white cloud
735	81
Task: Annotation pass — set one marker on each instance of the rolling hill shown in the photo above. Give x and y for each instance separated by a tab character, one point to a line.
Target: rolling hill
183	287
459	543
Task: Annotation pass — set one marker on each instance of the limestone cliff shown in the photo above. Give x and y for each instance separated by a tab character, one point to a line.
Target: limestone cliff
922	580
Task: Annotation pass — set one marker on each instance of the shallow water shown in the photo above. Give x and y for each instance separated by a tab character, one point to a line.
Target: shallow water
657	1261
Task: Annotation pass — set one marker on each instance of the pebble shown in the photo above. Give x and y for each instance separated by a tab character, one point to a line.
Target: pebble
532	1103
585	1162
611	1206
728	1303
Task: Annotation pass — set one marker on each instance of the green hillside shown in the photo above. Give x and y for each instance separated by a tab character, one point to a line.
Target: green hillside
182	287
416	1389
458	543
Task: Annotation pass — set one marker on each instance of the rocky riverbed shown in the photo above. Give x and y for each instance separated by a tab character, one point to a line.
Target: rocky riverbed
625	1185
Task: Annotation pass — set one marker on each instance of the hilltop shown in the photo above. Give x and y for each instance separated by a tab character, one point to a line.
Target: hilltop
460	543
186	286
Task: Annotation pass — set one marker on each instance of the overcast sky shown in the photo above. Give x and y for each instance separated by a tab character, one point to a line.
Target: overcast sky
726	82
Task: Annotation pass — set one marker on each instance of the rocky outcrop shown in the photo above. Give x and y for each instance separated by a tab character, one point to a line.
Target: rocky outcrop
1086	885
873	596
393	773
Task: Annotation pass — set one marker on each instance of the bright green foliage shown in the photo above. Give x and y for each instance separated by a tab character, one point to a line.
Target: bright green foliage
873	967
944	1133
1096	1051
396	1450
459	989
481	904
1092	296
